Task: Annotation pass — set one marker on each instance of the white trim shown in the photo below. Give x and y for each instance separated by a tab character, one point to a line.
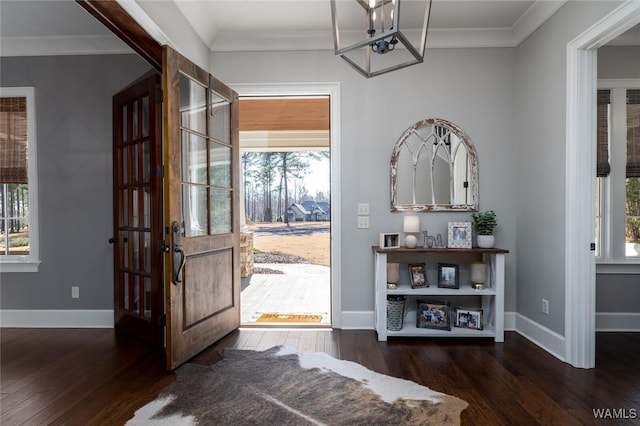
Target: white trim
580	157
437	38
31	261
622	83
533	18
618	267
64	45
618	321
333	90
358	320
231	41
510	321
62	318
145	21
547	339
25	266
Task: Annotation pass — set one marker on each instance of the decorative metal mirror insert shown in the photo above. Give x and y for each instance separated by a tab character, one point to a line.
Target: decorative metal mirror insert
434	167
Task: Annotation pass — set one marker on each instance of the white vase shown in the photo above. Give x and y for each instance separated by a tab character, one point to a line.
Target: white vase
411	241
486	241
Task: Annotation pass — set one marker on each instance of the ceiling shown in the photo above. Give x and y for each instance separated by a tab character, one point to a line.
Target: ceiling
43	27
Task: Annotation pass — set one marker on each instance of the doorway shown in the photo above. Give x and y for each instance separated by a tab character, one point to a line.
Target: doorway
580	327
286	217
330	91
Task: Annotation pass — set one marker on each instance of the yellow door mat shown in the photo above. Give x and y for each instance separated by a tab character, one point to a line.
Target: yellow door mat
276	317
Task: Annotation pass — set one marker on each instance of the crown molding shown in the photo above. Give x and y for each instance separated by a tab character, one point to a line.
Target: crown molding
437	38
217	41
60	46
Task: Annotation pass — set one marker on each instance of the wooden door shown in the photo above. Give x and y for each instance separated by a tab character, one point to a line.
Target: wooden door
201	160
137	187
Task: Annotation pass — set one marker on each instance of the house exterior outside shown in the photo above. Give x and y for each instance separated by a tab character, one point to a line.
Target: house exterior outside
298	213
318	210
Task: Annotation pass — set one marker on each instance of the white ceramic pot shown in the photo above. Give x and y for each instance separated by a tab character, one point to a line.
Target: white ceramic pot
486	241
411	241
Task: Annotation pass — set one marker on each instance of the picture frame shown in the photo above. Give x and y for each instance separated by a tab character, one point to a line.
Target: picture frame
459	235
433	314
468	318
448	275
389	240
418	275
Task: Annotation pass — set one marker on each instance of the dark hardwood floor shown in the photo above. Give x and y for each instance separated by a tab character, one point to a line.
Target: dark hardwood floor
93	376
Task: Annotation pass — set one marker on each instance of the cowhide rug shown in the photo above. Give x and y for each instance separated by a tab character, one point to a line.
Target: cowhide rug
281	387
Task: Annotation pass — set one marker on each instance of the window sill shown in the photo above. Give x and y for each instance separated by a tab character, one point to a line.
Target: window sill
618	267
21	266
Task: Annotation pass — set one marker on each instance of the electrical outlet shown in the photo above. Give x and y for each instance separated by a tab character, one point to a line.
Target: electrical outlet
363	209
75	292
545	306
363	222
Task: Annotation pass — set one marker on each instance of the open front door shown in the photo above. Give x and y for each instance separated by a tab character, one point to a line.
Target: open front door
137	218
202	269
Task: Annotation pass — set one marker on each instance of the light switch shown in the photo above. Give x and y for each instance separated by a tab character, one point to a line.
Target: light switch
363	209
363	222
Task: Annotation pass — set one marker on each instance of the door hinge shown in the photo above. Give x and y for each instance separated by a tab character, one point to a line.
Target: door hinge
159	95
593	246
163	320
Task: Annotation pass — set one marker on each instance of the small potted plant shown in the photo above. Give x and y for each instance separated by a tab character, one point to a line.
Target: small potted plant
484	223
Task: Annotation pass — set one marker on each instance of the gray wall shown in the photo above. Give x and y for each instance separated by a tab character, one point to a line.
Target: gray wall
541	75
618	293
73	111
470	87
619	62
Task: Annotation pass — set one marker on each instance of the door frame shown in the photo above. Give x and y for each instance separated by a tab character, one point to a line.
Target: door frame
580	286
333	91
119	21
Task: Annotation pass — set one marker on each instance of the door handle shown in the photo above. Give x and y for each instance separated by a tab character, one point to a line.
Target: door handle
114	240
179	257
178	265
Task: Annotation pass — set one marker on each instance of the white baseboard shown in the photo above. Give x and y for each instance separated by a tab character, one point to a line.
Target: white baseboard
47	318
358	320
618	321
509	321
548	340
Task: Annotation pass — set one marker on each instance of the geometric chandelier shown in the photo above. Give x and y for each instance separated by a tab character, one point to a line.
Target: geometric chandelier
377	36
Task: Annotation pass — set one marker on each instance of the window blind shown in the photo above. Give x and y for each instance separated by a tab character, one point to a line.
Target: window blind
13	140
603	168
633	133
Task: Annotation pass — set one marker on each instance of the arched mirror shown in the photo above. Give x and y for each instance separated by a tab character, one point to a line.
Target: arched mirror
434	167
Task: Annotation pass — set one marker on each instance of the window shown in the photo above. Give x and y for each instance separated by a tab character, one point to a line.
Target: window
618	173
18	183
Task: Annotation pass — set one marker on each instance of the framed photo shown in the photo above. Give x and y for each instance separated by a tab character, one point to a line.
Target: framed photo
433	315
418	275
468	318
389	240
448	275
459	235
